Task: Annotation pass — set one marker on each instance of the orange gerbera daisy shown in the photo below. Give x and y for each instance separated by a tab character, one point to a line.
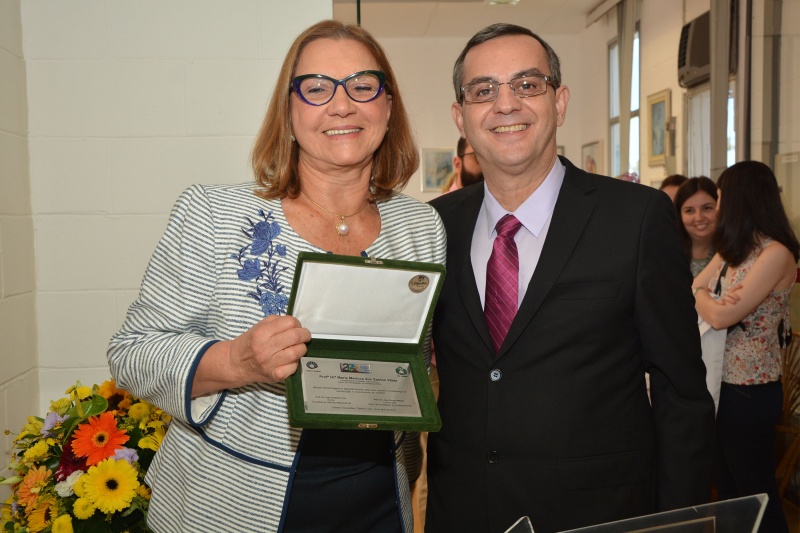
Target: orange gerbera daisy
32	483
98	438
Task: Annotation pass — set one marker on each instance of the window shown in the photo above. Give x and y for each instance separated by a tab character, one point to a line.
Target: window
698	139
613	106
620	165
633	152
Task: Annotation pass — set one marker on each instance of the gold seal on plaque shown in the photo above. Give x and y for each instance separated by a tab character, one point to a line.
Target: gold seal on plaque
419	283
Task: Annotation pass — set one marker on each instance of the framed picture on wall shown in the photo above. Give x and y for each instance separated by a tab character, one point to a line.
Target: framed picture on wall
437	164
659	112
592	157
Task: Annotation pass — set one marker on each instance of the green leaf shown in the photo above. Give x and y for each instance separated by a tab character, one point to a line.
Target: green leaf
92	407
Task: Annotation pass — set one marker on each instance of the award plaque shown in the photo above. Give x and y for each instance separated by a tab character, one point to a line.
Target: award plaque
364	367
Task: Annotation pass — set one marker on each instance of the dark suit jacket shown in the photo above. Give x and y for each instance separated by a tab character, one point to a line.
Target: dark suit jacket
558	426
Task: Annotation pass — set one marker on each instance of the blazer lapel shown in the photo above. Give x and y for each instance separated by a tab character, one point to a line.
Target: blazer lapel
463	217
573	208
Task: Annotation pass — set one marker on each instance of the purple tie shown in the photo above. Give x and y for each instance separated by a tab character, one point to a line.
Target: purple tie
502	285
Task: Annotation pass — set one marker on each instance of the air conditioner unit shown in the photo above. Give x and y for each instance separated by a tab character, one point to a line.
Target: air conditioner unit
694	52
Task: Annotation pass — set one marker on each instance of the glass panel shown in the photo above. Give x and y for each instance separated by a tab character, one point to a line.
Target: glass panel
635	75
740	515
614	151
699	135
613	81
633	157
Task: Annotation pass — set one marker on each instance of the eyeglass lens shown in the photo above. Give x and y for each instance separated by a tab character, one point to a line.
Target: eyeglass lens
319	89
523	87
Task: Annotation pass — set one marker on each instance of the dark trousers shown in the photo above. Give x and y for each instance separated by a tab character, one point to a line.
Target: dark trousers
746	447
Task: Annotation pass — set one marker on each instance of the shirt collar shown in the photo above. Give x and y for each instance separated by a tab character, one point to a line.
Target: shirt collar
535	211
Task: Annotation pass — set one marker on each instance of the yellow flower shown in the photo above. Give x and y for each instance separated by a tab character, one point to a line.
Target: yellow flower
153	441
41	517
139	410
77	488
36	451
143	491
124	404
61	406
63	524
111	485
83	508
5	511
33	427
108	389
84	392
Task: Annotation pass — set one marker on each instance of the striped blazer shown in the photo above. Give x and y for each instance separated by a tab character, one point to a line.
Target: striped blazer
227	260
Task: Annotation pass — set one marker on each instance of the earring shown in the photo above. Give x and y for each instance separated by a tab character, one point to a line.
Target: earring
292	137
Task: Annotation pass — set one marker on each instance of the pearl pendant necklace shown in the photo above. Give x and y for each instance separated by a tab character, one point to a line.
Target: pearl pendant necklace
342	229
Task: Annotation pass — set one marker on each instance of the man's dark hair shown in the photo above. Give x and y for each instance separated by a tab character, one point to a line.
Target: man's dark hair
461	147
501	30
675	180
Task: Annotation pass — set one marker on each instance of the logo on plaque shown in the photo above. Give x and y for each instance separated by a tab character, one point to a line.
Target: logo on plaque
419	283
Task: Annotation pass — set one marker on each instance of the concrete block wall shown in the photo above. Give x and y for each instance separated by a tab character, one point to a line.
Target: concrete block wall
128	104
18	353
108	110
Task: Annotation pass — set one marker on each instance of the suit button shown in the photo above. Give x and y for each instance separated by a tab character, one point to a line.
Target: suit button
495	375
492	457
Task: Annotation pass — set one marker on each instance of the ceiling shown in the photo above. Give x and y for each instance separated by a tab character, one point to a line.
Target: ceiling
459	18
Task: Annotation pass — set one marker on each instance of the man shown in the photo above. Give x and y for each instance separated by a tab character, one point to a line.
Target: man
466	169
671	184
551	419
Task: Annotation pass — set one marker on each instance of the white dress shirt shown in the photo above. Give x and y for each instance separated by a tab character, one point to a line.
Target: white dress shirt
534	214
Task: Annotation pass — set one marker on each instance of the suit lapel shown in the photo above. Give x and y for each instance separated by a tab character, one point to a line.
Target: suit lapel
464	216
571	214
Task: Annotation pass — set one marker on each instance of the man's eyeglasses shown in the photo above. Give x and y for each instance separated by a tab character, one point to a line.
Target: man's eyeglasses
318	89
480	92
465	154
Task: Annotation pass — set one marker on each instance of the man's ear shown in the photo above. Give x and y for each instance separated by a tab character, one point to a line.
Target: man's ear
457	112
457	164
562	99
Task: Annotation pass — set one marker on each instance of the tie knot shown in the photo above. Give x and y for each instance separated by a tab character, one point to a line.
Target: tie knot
508	226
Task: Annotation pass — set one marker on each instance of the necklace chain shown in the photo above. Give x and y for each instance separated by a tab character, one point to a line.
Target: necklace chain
342	229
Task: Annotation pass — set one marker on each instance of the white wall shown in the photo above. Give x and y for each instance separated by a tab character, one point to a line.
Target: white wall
18	358
108	109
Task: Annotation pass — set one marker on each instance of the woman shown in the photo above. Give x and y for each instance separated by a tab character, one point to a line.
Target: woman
753	270
696	206
208	340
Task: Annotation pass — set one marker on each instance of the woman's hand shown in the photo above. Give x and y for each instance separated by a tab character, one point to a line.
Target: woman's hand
731	295
268	352
773	269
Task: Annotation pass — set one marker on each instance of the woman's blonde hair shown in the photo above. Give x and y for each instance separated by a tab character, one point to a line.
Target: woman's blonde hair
275	155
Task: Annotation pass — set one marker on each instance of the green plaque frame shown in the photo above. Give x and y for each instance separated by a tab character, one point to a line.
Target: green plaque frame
390	306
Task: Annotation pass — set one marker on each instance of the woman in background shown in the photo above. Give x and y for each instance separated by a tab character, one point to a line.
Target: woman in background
696	206
208	339
753	271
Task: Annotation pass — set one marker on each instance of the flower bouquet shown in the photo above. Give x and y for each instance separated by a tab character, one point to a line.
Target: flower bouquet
82	467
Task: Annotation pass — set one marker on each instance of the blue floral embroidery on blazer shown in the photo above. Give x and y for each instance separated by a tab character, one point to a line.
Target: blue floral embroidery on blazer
265	268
